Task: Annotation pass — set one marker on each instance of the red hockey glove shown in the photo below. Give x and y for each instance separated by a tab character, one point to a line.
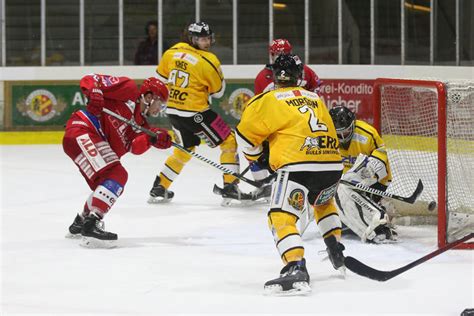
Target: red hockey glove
162	139
96	102
140	144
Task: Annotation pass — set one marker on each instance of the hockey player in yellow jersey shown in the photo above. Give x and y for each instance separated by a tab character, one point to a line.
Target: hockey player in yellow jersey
304	154
365	160
193	74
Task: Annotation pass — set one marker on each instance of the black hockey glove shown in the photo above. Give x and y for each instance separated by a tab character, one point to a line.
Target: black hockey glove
264	160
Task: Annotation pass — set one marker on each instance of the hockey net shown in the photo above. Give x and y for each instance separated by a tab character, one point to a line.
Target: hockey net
428	127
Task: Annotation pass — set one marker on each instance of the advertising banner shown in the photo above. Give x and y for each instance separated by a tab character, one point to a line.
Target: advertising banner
48	105
44	106
354	94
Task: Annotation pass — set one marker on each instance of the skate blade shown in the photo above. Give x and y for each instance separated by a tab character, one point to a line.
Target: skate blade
92	243
262	200
156	200
227	202
72	236
299	288
342	270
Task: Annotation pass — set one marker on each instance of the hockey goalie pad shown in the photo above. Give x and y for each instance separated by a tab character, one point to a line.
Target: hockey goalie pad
359	213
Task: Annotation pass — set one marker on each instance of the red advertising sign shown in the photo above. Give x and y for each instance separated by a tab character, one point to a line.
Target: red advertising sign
354	94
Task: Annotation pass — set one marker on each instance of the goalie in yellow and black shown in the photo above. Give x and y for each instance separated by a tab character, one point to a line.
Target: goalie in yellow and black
304	154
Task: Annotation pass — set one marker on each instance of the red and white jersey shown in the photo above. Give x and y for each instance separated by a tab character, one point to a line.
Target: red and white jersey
120	95
264	80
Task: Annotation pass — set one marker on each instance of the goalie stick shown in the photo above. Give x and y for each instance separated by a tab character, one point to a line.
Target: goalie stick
132	123
364	270
361	187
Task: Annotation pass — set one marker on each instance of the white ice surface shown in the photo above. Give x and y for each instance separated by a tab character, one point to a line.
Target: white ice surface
191	256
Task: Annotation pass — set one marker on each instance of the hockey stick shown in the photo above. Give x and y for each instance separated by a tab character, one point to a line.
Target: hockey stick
132	123
362	269
361	187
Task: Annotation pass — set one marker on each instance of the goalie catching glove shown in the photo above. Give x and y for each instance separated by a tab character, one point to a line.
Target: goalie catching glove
366	170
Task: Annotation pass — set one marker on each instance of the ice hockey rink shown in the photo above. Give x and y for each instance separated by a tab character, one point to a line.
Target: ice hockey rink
191	256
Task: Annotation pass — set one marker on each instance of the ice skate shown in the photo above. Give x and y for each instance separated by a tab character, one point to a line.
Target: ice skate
94	235
334	250
231	194
75	228
159	194
263	193
293	280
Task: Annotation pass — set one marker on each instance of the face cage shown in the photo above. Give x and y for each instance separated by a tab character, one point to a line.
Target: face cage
345	135
194	38
156	101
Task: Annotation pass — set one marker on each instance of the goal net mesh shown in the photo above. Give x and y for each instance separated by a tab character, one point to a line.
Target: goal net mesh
409	126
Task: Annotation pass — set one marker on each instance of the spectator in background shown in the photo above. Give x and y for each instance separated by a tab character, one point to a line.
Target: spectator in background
147	51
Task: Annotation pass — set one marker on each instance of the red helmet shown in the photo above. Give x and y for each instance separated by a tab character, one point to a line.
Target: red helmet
156	87
280	46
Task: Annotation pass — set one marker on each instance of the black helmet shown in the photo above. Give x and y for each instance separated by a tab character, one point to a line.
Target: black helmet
199	29
287	69
343	119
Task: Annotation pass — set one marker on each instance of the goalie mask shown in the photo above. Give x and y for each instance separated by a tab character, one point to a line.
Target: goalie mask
344	120
287	69
197	31
154	95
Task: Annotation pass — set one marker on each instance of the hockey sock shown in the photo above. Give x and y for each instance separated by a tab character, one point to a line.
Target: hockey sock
229	157
173	166
328	220
287	237
103	197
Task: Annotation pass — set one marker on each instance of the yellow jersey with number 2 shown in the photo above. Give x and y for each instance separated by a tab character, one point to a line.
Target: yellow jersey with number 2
297	124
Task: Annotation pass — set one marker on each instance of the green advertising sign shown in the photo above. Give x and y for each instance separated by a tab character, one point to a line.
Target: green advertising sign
43	105
48	106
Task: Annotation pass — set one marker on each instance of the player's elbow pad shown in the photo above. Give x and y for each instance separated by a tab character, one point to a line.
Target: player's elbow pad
220	93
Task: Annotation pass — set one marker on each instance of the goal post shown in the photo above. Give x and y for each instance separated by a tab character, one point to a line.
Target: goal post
428	128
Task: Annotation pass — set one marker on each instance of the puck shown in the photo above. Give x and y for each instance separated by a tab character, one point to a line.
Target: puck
431	206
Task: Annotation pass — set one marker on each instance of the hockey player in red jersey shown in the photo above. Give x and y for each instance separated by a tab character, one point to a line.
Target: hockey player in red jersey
264	82
95	141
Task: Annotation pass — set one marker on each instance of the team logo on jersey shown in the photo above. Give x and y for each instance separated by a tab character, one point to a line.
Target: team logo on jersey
310	142
297	199
41	105
237	101
324	144
359	138
105	80
348	161
198	118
